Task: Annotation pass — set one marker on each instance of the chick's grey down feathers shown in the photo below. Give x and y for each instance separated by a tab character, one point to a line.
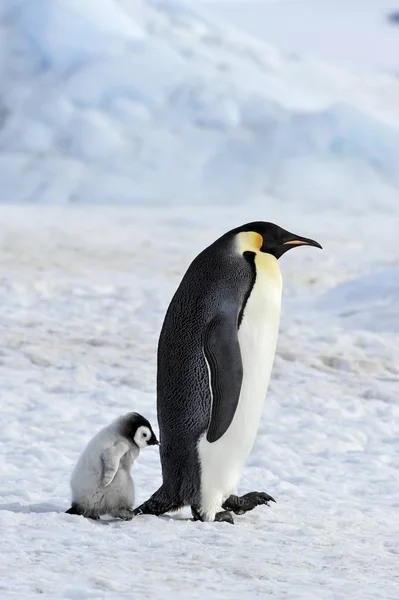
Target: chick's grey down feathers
101	482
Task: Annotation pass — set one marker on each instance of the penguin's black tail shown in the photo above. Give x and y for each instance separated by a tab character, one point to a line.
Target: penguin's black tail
74	510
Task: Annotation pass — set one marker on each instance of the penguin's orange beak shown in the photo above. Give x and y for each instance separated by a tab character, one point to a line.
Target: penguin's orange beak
302	241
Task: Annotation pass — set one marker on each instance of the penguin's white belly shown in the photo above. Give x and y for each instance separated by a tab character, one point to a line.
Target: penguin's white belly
222	461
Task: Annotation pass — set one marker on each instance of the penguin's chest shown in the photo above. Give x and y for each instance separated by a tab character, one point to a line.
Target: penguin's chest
257	338
126	462
222	461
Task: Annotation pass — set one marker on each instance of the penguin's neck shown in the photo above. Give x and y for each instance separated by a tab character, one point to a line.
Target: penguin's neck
264	302
268	270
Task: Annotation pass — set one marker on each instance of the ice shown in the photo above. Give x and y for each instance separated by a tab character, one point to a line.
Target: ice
83	293
357	33
133	146
163	103
66	33
370	302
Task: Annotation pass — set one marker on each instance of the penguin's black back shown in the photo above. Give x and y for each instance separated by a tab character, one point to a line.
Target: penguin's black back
218	282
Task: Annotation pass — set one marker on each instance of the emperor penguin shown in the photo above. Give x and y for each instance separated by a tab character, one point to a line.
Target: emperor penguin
101	482
215	356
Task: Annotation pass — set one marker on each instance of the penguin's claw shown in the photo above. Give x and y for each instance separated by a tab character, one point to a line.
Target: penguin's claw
126	515
264	498
242	504
196	514
224	516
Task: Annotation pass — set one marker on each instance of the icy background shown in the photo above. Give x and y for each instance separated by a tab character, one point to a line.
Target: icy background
136	100
181	128
361	33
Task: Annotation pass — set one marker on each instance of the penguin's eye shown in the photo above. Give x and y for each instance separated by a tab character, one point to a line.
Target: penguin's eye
145	435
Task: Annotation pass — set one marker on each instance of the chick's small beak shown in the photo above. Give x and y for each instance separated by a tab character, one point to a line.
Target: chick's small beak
154	441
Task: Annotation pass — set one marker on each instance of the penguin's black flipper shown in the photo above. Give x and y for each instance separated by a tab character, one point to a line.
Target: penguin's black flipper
223	355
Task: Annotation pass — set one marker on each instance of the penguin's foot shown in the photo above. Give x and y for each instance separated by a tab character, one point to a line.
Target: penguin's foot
196	514
222	516
149	508
126	514
159	504
242	504
93	515
76	509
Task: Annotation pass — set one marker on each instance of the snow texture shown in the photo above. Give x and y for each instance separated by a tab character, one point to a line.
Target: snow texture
150	103
350	32
146	100
83	293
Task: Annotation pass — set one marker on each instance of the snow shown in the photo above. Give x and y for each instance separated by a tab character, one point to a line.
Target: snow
361	33
369	302
182	129
94	29
144	101
83	293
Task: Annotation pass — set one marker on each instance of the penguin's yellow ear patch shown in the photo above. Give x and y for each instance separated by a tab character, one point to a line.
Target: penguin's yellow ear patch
249	241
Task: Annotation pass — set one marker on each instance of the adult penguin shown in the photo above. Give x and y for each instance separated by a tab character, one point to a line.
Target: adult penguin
215	356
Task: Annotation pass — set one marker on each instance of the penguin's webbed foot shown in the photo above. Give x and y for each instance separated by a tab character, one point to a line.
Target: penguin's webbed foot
147	509
159	504
223	516
242	504
126	514
76	509
152	508
196	514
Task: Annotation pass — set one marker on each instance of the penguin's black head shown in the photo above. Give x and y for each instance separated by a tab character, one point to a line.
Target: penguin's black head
137	429
269	238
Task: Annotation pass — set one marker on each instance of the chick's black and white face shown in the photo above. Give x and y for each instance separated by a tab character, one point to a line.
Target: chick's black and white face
144	436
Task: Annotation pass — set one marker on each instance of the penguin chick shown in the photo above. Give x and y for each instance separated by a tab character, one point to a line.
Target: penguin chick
101	482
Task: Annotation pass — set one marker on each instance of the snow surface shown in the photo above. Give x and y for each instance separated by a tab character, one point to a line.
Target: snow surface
355	32
157	105
83	293
369	302
148	101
